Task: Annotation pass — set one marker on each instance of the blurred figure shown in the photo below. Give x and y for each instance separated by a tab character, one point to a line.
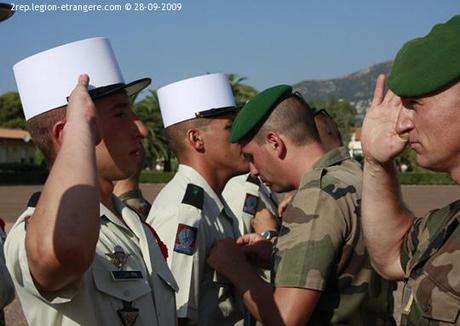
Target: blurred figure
129	192
328	131
247	195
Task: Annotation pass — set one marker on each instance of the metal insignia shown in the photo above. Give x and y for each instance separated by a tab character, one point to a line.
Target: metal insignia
128	314
118	257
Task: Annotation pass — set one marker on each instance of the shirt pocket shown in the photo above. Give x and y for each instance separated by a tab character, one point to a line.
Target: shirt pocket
435	301
127	290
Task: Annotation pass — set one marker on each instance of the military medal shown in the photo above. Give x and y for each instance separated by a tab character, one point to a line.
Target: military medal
128	314
119	259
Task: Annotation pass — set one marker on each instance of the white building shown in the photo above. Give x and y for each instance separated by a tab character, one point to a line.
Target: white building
354	146
16	146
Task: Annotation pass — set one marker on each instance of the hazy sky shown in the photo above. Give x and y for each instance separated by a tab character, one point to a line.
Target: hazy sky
269	42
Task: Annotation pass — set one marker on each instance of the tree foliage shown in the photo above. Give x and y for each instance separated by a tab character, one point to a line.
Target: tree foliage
11	115
241	91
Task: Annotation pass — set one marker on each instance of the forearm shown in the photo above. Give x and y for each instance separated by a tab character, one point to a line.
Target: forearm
63	231
385	218
258	296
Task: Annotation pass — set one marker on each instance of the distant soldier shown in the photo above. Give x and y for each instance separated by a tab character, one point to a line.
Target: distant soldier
323	273
77	255
328	131
421	109
129	192
246	195
189	213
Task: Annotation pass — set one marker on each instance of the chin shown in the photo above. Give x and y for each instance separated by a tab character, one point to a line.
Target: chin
425	163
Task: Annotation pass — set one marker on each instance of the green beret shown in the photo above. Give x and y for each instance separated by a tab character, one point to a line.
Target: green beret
427	64
257	110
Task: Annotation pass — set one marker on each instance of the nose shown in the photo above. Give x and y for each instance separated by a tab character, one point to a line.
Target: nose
141	129
404	124
253	170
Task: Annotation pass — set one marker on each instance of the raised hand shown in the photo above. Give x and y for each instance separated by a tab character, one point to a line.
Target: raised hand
81	108
380	141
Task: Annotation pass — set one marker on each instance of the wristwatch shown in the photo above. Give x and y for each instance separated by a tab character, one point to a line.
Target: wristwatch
269	234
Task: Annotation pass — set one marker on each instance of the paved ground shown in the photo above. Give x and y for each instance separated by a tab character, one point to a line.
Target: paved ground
13	200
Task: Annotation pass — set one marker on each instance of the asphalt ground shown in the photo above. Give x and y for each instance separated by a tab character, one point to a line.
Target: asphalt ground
13	200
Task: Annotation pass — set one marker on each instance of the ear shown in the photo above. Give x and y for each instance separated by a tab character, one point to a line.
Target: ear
276	143
57	134
195	139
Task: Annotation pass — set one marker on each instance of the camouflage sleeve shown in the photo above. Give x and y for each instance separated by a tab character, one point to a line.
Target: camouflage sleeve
422	233
410	243
314	229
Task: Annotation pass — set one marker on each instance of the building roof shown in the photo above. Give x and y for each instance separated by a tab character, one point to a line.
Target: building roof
14	134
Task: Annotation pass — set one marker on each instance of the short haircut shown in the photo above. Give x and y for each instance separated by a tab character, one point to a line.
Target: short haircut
292	118
40	128
176	133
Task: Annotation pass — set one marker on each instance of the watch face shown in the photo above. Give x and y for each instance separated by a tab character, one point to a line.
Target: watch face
269	234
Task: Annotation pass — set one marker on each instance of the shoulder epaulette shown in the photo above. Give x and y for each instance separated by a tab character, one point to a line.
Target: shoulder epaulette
253	179
194	195
33	200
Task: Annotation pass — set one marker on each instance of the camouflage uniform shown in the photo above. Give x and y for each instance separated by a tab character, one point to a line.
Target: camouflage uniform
321	247
430	257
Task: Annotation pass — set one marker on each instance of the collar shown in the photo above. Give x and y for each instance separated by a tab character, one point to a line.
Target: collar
125	212
194	177
333	157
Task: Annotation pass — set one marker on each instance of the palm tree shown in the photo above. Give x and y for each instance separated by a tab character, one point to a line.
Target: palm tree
242	92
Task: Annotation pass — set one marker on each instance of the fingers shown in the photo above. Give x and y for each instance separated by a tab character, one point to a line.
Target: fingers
83	80
248	239
81	87
244	239
379	90
392	99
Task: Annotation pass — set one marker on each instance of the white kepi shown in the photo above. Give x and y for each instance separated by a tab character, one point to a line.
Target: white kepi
198	97
46	79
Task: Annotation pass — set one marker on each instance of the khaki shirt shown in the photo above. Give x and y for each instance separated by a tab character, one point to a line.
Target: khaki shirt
99	299
189	217
430	257
246	195
321	247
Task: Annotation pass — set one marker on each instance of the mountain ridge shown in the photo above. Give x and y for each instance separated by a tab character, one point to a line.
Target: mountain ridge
356	88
